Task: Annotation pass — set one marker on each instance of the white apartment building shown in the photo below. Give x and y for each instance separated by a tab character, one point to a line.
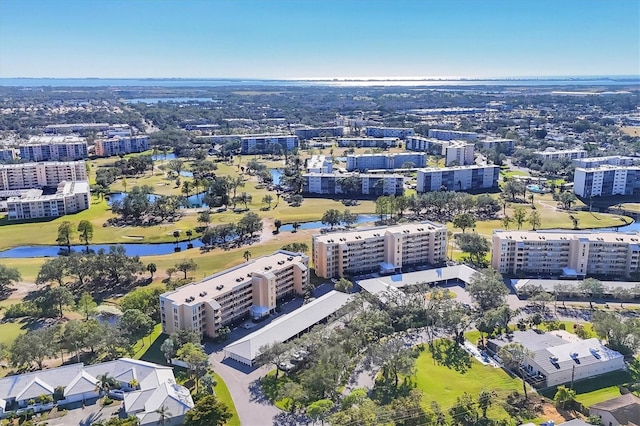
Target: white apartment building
368	142
565	154
429	145
611	160
70	197
76	127
447	135
366	184
381	249
252	288
17	177
569	254
319	164
121	145
459	153
385	161
457	178
607	180
54	148
501	145
388	132
261	144
7	154
315	132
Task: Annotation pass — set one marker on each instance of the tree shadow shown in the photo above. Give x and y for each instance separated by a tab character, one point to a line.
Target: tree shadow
263	391
449	354
291	419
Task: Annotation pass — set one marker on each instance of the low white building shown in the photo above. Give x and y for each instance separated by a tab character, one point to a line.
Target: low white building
556	361
319	164
388	132
621	411
146	386
563	154
385	161
365	184
459	153
611	160
458	178
359	142
447	135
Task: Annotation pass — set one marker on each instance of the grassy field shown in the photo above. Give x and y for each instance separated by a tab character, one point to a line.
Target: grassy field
631	130
444	384
597	389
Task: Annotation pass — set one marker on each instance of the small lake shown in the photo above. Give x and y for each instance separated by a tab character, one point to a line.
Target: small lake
362	218
276	174
160	156
186	173
194	200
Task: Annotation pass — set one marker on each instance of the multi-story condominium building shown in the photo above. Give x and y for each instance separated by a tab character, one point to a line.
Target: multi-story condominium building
565	154
570	254
607	180
71	197
390	142
457	178
118	130
501	145
459	153
353	184
385	161
121	145
612	160
16	177
260	144
252	288
380	249
422	144
76	127
7	154
319	164
448	135
315	132
54	148
388	132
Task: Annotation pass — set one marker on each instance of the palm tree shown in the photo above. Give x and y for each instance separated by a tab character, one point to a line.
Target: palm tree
163	414
105	383
246	255
186	188
295	226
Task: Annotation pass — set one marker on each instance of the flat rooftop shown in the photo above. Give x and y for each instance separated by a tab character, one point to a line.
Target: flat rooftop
469	167
36	140
612	237
607	167
225	281
458	272
388	175
378	231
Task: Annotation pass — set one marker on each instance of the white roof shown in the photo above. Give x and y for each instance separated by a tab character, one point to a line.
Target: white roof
175	398
288	326
459	272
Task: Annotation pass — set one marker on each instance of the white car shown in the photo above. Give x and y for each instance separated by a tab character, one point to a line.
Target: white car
116	394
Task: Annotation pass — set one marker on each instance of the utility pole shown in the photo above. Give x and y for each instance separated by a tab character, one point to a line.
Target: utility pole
573	372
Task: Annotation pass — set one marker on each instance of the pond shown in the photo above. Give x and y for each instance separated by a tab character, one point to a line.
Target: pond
194	200
276	174
160	156
362	218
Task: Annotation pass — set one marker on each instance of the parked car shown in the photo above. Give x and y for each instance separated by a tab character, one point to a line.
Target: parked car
286	366
116	394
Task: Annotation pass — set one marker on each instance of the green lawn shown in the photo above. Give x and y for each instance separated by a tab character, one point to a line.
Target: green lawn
444	384
146	344
12	329
597	389
512	173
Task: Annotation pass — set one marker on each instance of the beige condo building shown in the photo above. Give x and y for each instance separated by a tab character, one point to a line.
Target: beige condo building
569	254
380	249
16	177
253	288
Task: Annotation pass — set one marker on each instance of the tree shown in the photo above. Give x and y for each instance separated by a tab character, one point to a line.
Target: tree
506	221
294	393
295	226
35	346
463	412
163	414
86	305
8	276
485	398
320	409
476	245
204	217
65	233
592	288
343	285
152	268
464	221
513	355
273	354
246	255
135	324
59	296
331	217
185	266
519	216
104	383
169	349
621	334
85	229
144	299
277	224
171	271
349	218
268	199
487	289
563	396
208	411
567	199
197	360
535	220
52	270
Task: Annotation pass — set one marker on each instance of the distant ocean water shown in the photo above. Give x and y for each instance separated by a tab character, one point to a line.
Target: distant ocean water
99	82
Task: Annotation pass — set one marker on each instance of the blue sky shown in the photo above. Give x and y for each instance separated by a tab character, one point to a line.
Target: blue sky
323	38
